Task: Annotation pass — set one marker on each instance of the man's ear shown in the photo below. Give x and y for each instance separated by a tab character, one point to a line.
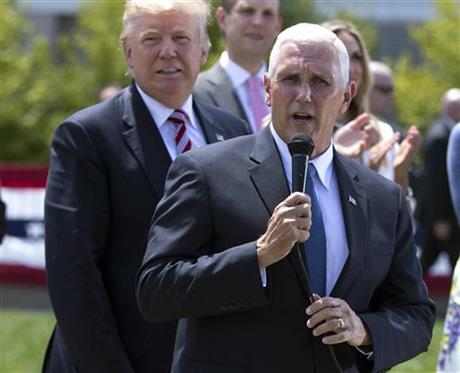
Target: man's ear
268	91
348	94
127	51
204	53
221	17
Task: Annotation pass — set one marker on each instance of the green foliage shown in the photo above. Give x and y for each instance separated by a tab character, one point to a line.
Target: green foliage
419	88
25	67
365	28
37	92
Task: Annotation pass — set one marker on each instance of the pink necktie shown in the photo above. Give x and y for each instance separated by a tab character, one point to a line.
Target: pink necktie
258	106
183	143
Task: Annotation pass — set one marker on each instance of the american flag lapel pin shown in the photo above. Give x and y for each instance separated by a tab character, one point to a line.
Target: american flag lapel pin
352	200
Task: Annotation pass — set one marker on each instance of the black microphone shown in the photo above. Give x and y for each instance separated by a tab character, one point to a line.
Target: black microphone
300	146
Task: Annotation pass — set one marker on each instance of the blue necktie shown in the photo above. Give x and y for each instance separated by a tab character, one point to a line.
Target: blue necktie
315	246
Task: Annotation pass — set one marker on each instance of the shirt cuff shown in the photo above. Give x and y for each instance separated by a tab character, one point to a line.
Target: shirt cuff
263	277
368	352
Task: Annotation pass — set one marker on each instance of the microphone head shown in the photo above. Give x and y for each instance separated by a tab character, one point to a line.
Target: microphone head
301	144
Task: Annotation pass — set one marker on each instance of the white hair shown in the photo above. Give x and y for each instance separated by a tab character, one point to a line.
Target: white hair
311	33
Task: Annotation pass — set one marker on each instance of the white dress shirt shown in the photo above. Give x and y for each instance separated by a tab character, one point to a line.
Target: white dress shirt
238	76
327	191
160	114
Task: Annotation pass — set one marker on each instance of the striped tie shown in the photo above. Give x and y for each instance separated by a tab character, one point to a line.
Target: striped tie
178	118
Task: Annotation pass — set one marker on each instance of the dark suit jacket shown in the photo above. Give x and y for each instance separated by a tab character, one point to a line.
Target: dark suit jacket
438	202
214	86
108	165
203	267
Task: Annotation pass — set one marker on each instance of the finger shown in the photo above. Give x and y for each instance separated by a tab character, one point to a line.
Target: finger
329	326
323	316
334	339
295	199
322	303
360	121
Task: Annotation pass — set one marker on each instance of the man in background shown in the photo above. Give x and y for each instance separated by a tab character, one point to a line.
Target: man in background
235	82
107	170
381	98
108	91
441	231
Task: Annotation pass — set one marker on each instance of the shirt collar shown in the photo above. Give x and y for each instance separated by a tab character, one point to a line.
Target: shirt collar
236	73
160	113
323	163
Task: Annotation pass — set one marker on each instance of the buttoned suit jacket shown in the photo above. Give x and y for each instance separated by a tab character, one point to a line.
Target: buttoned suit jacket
215	87
203	268
107	170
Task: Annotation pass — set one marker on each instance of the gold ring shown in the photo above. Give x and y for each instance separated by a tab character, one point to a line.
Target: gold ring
341	324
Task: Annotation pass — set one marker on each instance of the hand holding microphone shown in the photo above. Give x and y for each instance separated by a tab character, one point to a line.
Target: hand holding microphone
291	219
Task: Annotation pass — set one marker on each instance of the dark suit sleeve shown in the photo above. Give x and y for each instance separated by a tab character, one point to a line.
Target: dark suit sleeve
436	177
401	316
77	220
183	275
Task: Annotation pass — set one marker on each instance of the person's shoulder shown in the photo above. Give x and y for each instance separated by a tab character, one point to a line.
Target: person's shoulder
104	111
208	77
438	130
223	118
236	147
100	120
455	133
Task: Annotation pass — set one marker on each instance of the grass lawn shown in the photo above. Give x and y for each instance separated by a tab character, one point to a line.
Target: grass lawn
24	335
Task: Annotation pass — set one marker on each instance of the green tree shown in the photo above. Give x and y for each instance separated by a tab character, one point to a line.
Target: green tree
37	92
365	28
25	67
419	88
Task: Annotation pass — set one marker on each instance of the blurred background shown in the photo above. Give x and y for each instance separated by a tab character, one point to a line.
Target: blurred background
55	58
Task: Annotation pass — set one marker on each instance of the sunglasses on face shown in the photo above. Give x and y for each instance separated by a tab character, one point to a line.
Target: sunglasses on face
384	88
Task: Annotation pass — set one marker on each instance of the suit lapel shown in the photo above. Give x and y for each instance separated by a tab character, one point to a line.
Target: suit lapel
144	140
353	198
268	177
267	172
224	94
207	124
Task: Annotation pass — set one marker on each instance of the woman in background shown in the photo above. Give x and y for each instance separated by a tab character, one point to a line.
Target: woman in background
364	136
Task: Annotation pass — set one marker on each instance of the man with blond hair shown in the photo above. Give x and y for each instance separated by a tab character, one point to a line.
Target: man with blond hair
108	166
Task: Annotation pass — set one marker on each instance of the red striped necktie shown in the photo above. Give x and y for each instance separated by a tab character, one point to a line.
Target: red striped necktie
179	118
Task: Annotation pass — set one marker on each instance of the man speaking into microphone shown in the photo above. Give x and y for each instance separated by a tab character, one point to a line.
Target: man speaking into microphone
235	254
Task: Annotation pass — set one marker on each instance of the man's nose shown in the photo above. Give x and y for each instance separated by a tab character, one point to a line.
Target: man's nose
258	18
168	48
304	93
